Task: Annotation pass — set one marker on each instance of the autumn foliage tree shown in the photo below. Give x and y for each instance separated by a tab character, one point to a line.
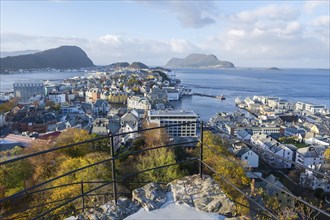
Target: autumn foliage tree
100	172
230	170
154	137
72	136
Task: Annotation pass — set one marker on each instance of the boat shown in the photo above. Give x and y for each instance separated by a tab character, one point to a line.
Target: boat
222	97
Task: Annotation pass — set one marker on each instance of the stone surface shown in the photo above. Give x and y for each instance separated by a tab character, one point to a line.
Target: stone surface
150	196
124	208
204	194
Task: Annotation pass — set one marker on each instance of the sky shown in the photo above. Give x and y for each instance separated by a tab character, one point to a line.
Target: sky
285	34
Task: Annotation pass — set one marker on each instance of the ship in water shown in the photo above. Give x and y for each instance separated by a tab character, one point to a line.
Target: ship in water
222	97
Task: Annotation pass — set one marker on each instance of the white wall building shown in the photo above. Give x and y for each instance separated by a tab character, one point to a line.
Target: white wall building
312	155
137	102
246	155
316	181
265	143
2	119
305	106
166	117
58	98
25	90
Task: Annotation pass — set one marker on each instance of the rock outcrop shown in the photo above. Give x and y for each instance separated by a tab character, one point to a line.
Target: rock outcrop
203	194
151	196
124	208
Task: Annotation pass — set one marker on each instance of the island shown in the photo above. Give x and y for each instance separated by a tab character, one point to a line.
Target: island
199	61
274	68
64	57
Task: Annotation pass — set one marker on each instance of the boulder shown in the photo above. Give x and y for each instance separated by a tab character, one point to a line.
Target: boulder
150	196
124	208
204	194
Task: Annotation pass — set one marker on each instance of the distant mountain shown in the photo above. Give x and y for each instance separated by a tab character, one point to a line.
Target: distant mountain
119	64
17	53
198	61
138	65
64	57
274	68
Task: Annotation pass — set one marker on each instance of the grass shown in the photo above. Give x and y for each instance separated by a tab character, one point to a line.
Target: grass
294	142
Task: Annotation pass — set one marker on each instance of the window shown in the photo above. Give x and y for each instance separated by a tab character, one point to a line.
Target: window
246	157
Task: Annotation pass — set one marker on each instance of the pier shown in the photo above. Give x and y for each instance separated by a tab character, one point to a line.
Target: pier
205	95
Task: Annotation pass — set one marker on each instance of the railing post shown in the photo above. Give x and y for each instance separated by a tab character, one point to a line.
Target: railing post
82	194
201	152
113	168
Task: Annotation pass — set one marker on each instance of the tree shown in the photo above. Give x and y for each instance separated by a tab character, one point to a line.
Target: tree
155	137
231	171
44	166
13	177
7	106
71	136
155	158
327	155
100	172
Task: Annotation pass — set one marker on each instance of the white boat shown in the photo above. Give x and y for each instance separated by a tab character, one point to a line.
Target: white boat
222	97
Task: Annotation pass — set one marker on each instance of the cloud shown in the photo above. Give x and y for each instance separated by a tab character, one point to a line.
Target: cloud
106	49
272	13
190	14
250	45
311	5
18	41
322	21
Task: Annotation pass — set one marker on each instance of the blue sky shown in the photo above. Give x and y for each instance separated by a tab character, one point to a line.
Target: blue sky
248	33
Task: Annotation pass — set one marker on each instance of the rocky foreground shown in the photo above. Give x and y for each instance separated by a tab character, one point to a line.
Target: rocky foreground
203	194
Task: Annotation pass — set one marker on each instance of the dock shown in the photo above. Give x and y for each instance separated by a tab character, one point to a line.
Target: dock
204	95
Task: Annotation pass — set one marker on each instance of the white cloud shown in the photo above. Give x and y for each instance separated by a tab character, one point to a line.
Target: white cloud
114	40
236	33
106	49
311	5
190	14
17	41
322	21
270	12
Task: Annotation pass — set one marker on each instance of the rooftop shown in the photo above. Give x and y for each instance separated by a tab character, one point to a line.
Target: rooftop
172	113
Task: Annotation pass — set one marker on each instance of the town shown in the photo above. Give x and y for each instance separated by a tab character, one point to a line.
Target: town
287	143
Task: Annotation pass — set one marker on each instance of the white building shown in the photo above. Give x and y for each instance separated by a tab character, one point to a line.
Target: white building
305	106
129	123
318	139
25	90
265	144
312	155
315	181
166	117
2	119
251	104
246	154
71	109
173	94
57	98
137	102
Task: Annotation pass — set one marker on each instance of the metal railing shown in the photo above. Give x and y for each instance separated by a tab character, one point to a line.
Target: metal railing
115	179
87	192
